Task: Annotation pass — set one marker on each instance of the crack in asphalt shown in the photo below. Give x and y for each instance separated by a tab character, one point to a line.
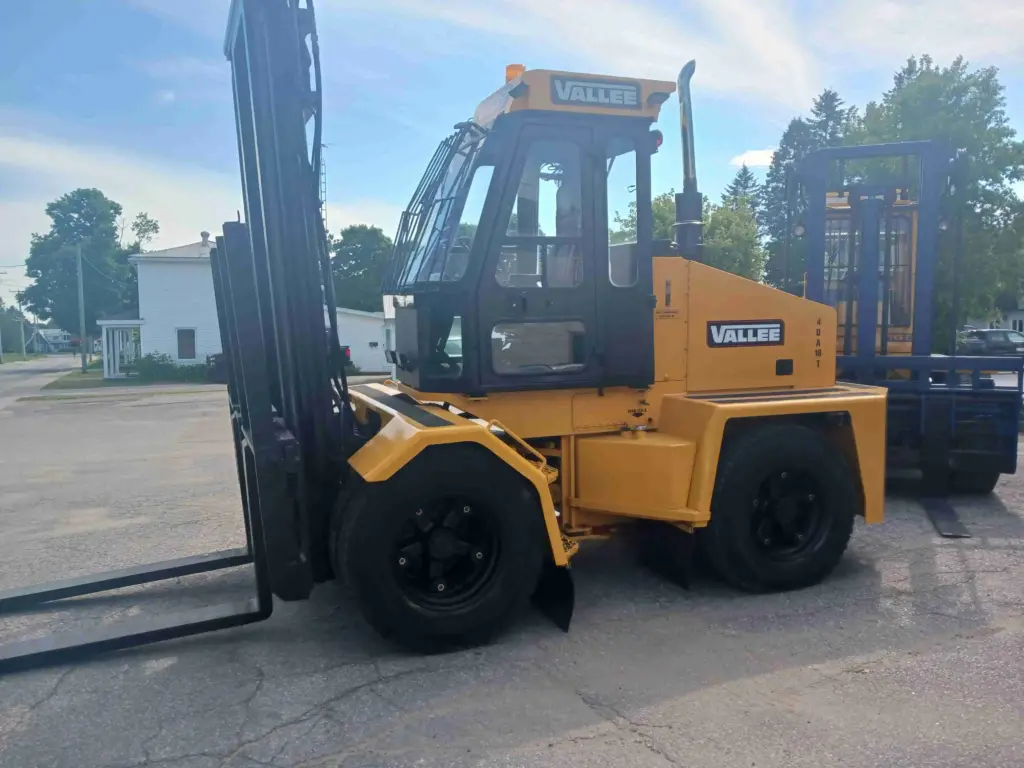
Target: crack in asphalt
622	723
312	713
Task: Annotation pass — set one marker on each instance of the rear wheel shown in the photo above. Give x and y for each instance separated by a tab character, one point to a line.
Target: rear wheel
445	552
974	483
782	512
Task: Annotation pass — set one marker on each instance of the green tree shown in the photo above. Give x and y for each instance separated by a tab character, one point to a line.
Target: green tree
361	254
731	238
967	109
145	228
732	241
10	337
830	123
743	187
89	218
663	207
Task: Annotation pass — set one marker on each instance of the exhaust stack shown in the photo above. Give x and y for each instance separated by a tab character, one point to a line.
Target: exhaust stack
688	228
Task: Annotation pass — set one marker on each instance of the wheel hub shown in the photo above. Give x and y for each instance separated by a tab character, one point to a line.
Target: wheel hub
788	515
445	554
442	544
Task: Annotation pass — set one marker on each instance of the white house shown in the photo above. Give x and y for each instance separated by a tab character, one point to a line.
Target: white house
177	315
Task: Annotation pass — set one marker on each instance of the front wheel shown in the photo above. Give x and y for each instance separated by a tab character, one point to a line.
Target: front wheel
444	553
783	509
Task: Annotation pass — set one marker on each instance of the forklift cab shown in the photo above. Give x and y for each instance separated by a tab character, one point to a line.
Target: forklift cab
506	274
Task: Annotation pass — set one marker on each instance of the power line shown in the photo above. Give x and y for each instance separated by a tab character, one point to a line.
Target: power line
101	273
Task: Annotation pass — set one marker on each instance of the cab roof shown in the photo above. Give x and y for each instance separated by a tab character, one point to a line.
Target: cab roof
575	92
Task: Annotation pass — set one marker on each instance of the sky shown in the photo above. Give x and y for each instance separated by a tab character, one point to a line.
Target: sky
133	96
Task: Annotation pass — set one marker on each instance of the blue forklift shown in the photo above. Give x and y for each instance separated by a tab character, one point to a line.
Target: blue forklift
870	221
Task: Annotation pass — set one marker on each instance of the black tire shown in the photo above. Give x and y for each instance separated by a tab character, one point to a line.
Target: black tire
817	502
441	482
979	483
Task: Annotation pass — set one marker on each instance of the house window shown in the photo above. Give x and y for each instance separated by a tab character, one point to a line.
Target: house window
1018	325
186	343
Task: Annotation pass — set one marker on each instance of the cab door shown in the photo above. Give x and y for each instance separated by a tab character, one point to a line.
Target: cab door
536	315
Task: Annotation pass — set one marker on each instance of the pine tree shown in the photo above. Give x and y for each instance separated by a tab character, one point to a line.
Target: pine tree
797	140
830	124
743	187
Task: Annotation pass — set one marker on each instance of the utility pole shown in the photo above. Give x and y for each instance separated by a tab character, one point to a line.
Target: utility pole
2	336
21	327
81	306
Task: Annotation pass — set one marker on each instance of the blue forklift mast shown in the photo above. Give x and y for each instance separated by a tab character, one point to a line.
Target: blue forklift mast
949	417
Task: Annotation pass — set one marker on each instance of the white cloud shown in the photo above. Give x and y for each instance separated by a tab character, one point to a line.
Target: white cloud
754	158
165	97
773	52
882	33
743	48
184	199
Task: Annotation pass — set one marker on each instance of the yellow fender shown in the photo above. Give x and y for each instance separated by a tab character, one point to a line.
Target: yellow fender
412	426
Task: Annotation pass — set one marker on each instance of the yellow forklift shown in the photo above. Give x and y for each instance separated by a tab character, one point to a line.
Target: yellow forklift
597	387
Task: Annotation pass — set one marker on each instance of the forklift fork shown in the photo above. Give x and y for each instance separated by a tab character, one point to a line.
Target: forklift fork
262	448
279	387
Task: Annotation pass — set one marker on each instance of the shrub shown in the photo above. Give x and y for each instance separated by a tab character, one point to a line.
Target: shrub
161	367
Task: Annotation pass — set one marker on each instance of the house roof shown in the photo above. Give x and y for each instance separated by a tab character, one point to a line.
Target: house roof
357	313
196	252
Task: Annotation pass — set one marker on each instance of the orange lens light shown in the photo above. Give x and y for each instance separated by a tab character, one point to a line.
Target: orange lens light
512	71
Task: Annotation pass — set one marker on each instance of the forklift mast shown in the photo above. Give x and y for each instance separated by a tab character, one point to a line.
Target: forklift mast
287	392
947	415
875	182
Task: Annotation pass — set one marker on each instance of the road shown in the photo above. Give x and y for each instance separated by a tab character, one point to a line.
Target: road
18	379
912	653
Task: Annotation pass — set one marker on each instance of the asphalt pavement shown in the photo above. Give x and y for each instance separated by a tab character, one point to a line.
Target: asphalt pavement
911	654
27	377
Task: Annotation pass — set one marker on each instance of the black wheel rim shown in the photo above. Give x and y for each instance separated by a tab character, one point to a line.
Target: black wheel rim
446	554
789	517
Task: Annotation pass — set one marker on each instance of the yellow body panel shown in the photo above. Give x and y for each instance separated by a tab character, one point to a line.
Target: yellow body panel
635	474
808	328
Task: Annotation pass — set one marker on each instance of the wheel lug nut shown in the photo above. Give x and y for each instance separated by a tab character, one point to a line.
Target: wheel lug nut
402	561
479	555
439	586
419	512
466	510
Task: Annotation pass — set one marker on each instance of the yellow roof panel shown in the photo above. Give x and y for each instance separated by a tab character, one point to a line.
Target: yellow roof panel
572	92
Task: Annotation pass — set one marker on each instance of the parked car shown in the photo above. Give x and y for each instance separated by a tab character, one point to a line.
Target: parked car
992	342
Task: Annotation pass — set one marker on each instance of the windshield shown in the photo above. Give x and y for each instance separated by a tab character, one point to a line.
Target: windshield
429	228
